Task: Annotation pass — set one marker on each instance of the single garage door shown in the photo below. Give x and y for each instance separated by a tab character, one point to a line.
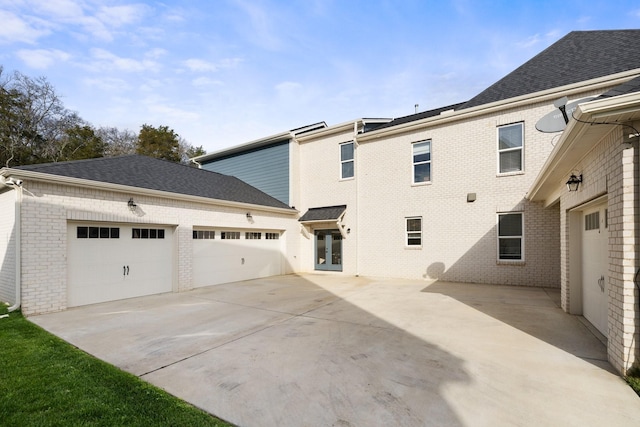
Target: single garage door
108	262
595	266
223	256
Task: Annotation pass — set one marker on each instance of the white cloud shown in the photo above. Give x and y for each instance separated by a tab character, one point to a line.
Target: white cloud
529	42
118	16
288	89
200	65
260	24
205	81
109	84
42	58
105	60
15	29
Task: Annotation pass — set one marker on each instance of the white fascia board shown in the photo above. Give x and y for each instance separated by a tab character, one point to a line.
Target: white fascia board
531	98
118	188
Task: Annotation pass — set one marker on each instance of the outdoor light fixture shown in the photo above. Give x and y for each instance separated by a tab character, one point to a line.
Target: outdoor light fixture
574	182
132	205
249	217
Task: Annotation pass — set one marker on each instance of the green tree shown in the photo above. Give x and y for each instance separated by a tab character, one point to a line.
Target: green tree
160	142
80	142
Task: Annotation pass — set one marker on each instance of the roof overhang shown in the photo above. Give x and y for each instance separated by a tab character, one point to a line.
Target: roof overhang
118	188
594	120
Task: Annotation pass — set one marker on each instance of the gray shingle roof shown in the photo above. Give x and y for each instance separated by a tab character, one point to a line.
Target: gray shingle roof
578	56
326	213
147	172
631	86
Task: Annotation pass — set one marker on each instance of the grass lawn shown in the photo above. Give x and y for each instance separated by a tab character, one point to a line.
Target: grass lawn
45	381
633	378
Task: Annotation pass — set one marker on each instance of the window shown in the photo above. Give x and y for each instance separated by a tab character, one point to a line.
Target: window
510	143
421	161
204	234
592	221
272	236
97	233
510	236
230	235
347	163
250	235
414	231
147	233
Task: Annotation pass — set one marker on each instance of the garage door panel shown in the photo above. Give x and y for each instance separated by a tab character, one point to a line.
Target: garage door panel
219	261
108	269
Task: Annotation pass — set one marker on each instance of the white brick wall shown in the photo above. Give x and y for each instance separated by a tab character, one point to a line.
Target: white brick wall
46	208
7	247
610	169
459	238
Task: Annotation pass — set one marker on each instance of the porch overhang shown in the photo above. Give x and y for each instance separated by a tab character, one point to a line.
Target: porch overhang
325	214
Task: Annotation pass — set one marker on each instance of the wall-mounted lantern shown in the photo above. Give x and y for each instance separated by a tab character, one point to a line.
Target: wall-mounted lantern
132	205
574	182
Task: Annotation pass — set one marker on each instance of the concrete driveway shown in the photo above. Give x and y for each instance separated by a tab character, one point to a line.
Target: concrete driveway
324	350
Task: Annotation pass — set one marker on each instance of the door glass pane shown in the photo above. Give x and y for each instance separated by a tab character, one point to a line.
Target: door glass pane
321	249
336	248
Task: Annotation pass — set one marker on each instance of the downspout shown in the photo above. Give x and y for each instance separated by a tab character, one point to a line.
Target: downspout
17	186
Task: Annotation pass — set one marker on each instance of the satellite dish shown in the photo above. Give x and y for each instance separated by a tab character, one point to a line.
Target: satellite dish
554	121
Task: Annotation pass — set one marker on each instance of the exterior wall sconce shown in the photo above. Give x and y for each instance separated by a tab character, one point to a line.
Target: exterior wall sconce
574	182
132	205
249	216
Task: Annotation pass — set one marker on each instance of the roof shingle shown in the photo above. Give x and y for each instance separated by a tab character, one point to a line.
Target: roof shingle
154	174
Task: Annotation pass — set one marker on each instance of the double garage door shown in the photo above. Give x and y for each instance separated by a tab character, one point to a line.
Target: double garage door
108	262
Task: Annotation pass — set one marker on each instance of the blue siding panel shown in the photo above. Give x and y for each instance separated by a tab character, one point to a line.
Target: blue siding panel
266	168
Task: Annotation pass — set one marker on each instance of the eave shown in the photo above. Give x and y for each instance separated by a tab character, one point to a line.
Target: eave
126	189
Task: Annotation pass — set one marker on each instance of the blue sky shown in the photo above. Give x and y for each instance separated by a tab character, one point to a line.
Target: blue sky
224	72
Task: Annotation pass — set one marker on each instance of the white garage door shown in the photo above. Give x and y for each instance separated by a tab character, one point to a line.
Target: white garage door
222	256
595	266
108	262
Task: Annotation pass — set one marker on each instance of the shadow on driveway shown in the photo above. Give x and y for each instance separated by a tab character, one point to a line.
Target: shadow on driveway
327	350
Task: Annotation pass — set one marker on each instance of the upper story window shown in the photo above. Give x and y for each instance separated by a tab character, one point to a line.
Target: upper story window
347	163
510	237
414	231
510	148
421	161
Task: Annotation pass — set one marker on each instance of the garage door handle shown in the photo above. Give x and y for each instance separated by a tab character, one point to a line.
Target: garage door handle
127	270
601	283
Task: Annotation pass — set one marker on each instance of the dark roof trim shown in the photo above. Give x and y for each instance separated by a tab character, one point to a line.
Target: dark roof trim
324	214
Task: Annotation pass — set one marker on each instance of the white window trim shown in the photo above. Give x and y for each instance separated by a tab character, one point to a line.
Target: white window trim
413	164
406	232
521	237
353	160
505	150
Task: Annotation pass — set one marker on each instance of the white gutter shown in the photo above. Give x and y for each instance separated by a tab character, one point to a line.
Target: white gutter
77	182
